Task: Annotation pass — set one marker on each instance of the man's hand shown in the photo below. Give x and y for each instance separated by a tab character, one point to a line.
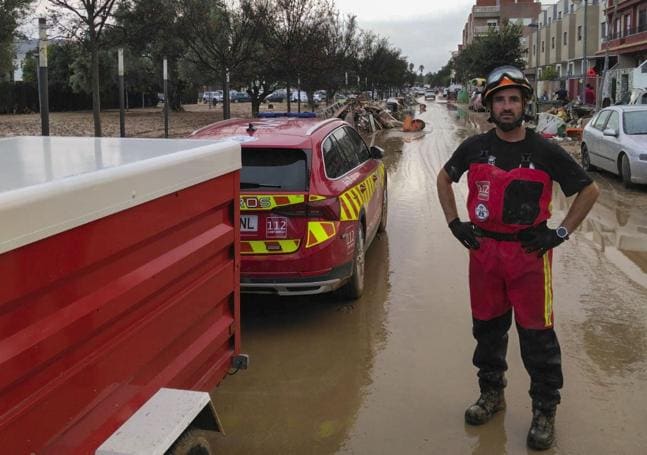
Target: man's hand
464	232
540	240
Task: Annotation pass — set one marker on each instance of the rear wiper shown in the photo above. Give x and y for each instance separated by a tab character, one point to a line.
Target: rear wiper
258	185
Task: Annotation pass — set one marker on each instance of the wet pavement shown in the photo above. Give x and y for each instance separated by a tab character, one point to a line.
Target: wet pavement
391	373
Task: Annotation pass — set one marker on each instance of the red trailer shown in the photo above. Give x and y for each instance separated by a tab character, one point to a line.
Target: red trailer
119	295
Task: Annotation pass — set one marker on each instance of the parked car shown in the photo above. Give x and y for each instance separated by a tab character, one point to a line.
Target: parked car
208	97
615	140
276	97
240	97
313	198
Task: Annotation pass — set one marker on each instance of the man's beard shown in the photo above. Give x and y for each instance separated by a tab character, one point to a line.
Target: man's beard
507	125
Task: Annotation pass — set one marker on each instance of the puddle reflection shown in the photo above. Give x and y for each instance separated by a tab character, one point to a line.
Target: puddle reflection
617	225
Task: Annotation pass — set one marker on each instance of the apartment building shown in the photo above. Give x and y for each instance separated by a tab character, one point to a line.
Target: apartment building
557	43
489	14
624	40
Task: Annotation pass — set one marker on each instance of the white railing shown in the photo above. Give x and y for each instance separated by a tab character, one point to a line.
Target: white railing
486	9
483	29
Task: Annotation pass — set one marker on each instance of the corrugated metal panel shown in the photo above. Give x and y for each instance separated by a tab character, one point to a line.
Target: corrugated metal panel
96	319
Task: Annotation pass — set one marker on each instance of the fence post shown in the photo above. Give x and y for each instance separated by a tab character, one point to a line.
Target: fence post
43	94
122	114
165	98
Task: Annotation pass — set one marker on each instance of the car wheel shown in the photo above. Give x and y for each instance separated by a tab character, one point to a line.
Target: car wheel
586	159
385	210
625	171
355	286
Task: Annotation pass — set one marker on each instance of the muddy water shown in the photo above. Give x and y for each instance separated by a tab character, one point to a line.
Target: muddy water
392	373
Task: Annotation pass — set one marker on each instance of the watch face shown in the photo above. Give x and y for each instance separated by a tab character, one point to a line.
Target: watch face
562	232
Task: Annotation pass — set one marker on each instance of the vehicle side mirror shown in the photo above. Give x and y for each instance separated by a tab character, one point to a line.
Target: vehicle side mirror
610	132
377	153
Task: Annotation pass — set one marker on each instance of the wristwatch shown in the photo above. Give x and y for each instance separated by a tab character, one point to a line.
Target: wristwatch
562	232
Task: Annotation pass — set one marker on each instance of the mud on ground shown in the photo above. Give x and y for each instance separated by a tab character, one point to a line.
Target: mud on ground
148	122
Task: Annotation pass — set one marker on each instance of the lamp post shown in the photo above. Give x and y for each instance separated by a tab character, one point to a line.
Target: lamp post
585	62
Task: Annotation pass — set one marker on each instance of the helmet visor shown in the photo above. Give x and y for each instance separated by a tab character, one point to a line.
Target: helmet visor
513	73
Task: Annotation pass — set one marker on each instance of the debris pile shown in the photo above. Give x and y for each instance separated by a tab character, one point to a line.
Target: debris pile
564	122
371	116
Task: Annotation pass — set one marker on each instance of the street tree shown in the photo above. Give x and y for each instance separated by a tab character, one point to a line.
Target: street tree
383	63
86	20
147	38
496	48
221	36
11	14
331	46
294	21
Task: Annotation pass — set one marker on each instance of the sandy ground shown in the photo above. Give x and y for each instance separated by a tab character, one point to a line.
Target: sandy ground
148	122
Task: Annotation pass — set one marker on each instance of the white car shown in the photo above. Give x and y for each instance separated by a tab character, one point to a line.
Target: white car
615	140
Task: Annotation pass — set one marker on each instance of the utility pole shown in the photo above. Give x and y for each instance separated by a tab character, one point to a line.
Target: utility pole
536	27
585	60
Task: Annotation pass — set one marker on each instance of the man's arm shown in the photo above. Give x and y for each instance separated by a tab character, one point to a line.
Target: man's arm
446	195
581	206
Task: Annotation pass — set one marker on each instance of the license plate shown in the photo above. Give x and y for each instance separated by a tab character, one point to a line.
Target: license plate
248	223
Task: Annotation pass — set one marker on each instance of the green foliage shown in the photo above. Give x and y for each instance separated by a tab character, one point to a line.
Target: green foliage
496	48
549	73
11	14
441	78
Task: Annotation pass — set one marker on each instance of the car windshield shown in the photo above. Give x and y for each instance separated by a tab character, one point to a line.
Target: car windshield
286	169
635	122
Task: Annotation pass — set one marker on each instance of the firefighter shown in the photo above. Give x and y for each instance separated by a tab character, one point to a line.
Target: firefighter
510	174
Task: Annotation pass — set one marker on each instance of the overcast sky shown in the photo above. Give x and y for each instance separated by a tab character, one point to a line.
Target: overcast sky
425	31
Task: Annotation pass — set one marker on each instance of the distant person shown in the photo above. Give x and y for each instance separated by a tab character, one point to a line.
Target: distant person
544	97
589	94
510	173
562	95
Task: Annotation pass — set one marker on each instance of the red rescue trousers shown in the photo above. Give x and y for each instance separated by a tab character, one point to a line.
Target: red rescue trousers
503	276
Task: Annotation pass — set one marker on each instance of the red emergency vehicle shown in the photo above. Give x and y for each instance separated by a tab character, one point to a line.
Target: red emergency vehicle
313	197
119	303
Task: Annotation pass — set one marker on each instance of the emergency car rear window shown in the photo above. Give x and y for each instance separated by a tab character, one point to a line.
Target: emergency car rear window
282	169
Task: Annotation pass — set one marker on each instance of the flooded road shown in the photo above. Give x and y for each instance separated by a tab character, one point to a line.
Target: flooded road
392	372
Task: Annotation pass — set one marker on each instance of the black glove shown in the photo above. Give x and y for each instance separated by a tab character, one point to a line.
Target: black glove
464	232
540	240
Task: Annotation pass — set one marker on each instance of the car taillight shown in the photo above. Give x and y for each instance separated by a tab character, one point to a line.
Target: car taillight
326	209
292	210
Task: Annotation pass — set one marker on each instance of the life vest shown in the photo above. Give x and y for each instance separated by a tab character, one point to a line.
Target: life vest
507	201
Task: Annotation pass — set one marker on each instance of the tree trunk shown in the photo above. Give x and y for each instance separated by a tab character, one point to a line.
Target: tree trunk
256	106
289	95
96	100
225	96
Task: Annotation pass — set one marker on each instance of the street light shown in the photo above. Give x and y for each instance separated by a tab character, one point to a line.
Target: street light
536	27
585	60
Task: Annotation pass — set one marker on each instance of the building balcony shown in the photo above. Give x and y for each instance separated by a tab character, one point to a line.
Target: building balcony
626	38
484	29
486	11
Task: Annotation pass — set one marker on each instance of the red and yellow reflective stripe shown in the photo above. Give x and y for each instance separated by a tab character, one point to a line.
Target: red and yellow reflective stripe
319	232
548	292
356	197
269	246
268	201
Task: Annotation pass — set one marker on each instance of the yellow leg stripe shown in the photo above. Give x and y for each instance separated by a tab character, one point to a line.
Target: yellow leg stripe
548	292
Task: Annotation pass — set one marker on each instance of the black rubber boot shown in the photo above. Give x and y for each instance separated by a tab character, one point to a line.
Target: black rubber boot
541	435
489	403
